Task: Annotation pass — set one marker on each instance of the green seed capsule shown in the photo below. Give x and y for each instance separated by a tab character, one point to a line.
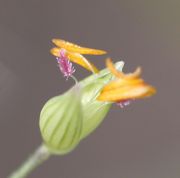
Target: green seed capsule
61	122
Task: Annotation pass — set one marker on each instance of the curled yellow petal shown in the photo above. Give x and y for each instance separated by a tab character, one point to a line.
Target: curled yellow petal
55	51
118	83
125	86
126	93
76	48
113	70
76	58
81	60
119	74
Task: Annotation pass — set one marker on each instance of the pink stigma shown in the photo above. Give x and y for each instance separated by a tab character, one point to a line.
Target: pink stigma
64	64
124	103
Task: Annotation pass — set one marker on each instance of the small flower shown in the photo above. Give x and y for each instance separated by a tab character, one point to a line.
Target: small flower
67	119
64	64
125	87
73	53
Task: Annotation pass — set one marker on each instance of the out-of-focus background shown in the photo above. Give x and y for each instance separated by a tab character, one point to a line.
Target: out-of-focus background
139	141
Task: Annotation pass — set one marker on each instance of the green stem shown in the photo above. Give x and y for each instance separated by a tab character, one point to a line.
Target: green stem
39	156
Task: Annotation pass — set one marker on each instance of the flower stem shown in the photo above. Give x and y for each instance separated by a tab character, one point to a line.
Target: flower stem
74	78
40	155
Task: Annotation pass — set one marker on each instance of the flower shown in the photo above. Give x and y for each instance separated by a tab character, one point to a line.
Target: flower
67	119
74	53
125	86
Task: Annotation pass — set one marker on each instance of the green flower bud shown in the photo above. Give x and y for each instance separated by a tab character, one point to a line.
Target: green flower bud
61	121
94	111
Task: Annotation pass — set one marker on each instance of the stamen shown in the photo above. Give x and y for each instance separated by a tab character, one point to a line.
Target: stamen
64	64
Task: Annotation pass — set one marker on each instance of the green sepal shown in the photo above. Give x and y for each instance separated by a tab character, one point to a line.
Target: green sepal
61	122
94	111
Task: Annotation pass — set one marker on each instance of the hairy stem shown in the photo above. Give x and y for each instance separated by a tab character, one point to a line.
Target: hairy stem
40	155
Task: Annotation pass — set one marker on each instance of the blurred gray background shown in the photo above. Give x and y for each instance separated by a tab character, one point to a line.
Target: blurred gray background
140	141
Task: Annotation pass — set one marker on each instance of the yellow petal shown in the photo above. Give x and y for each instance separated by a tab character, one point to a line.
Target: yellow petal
135	74
119	74
127	92
55	51
76	58
125	86
76	48
118	83
81	60
113	70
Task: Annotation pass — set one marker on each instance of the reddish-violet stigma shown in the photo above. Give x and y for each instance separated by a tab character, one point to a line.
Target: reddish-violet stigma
123	103
64	64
